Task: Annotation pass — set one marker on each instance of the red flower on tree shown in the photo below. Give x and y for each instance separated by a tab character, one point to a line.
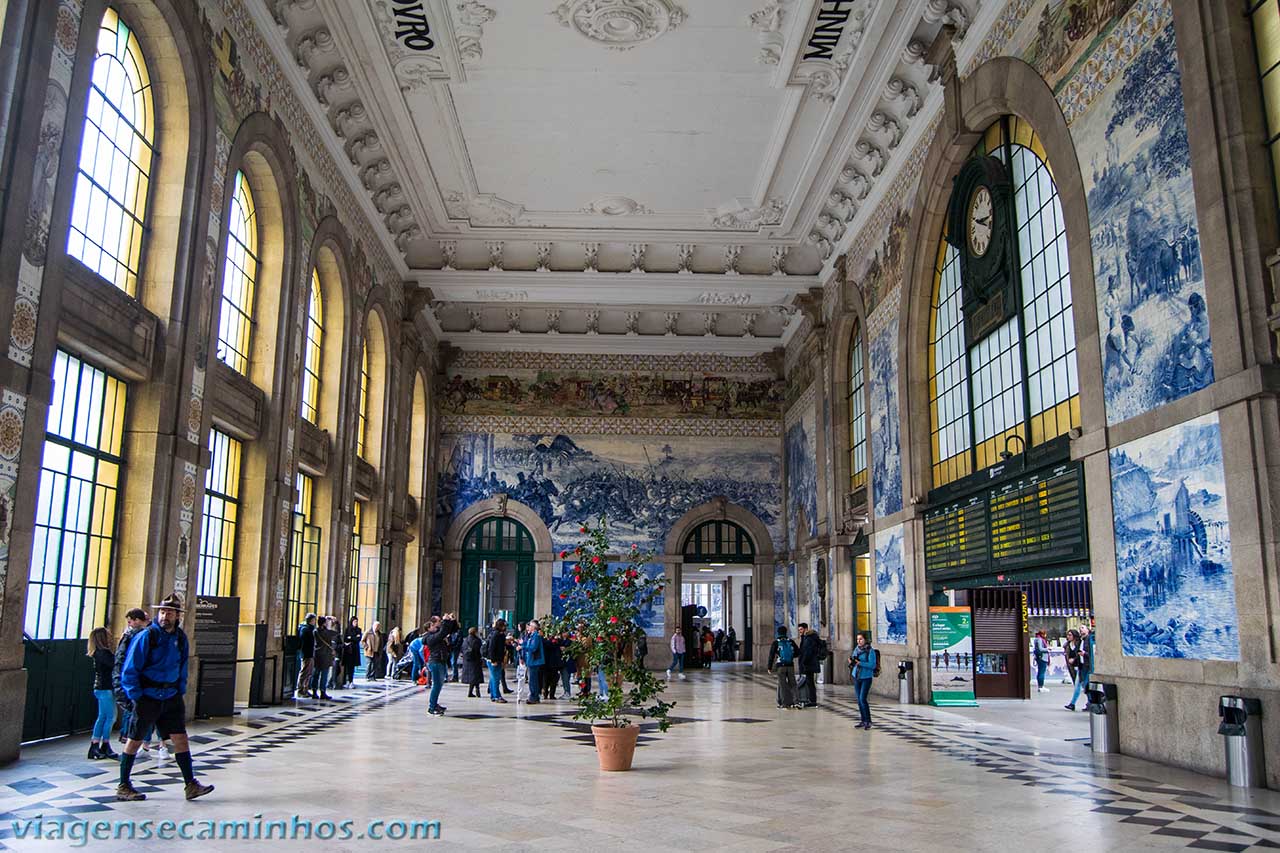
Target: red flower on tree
613	620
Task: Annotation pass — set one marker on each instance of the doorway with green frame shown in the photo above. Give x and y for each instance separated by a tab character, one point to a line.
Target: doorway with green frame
498	574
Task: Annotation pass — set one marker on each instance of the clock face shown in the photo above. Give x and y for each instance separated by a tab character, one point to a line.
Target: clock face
981	217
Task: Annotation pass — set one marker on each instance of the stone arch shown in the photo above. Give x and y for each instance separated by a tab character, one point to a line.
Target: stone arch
852	319
719	509
498	507
331	256
1002	86
375	333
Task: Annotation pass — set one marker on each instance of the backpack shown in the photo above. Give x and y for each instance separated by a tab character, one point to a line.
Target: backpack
823	650
875	673
786	651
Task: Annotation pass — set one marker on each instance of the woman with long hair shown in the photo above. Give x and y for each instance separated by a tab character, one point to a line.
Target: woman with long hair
104	661
395	648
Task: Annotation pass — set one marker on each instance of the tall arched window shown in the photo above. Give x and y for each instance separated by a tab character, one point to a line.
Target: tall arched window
108	213
362	415
311	363
239	280
1017	386
857	403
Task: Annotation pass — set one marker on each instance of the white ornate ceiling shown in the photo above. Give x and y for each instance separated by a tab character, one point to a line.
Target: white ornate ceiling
519	151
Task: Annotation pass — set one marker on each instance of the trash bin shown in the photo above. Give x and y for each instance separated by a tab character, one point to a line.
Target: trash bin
906	683
1241	729
828	668
1104	717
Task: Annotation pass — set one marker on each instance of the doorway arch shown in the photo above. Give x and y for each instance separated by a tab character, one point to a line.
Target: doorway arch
498	576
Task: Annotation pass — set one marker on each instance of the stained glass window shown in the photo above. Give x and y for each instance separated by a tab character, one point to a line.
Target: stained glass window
75	525
239	280
108	211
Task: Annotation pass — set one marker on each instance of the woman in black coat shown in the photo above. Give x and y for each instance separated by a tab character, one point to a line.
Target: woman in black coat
472	663
351	652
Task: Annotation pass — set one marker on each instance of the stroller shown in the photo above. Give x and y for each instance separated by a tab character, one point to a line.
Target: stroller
403	668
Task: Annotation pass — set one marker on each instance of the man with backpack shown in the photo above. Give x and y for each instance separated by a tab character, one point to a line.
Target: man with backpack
813	651
137	620
306	656
154	677
784	652
864	665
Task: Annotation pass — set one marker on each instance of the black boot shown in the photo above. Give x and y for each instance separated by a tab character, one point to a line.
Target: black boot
104	751
94	754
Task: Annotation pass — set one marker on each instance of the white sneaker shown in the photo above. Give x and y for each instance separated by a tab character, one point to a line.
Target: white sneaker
668	675
1044	689
682	676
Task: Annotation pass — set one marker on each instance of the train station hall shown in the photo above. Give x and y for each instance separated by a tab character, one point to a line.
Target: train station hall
855	424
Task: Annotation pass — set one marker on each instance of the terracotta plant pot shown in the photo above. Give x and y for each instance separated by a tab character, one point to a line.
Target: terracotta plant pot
615	746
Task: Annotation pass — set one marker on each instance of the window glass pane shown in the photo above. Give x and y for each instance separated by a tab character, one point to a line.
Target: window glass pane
74	537
857	404
949	395
239	278
362	411
108	212
312	352
218	529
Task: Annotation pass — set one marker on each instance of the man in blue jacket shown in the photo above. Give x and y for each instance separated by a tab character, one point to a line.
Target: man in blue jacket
535	657
154	677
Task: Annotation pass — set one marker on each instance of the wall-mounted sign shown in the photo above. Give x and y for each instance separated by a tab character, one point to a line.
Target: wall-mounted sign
412	29
827	30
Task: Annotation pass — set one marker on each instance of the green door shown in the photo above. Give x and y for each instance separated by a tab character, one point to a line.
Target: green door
524	591
59	689
469	593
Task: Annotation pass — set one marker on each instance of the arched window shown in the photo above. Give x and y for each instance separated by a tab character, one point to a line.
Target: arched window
108	214
719	541
311	363
221	516
1015	387
239	280
857	412
362	415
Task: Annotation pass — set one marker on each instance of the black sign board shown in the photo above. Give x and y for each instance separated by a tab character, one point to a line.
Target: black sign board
217	626
1035	521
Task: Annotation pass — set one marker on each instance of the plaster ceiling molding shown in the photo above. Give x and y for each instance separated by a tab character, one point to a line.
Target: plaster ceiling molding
820	243
883	123
898	90
732	254
632	323
474	316
413	69
709	320
737	217
501	294
615	205
544	256
388	198
670	320
408	234
553	322
872	155
591	257
777	262
513	321
841	206
637	256
913	53
749	324
449	250
684	258
282	9
835	36
350	120
485	209
720	297
495	255
620	24
333	86
364	148
768	23
854	181
312	47
945	13
469	29
593	322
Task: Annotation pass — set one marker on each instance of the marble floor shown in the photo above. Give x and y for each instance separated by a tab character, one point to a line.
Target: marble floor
733	772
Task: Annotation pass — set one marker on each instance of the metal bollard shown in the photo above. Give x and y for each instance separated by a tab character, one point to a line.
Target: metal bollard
1241	729
1104	717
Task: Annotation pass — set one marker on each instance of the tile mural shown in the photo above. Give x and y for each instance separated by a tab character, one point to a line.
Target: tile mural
1173	545
650	618
1132	143
779	596
792	593
891	586
642	484
802	475
886	457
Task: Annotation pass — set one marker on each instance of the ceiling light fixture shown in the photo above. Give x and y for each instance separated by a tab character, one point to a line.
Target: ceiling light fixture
717	565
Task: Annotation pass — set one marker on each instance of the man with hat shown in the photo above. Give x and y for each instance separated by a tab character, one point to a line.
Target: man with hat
154	677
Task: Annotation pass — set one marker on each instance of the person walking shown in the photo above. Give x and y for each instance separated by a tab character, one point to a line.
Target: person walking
351	640
104	661
783	652
375	663
155	679
731	644
535	658
1072	652
495	659
306	656
1040	654
812	653
437	644
863	663
568	664
1084	668
708	648
136	619
677	653
325	653
472	662
455	653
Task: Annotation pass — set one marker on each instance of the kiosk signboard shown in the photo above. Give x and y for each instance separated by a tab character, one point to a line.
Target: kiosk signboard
951	656
217	626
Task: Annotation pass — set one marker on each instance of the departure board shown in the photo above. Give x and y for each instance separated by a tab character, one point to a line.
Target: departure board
1034	521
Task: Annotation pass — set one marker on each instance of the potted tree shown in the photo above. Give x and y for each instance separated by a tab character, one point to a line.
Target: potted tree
601	609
